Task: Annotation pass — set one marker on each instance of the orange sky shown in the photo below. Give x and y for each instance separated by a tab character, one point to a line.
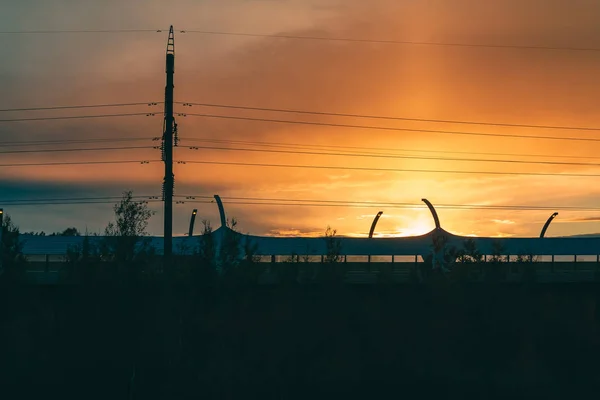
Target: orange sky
480	84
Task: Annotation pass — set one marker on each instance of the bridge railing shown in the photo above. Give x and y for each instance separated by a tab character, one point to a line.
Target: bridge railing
547	268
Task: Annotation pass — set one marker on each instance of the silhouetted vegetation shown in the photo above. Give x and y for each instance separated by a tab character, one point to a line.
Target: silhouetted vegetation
331	270
117	329
12	261
298	341
67	232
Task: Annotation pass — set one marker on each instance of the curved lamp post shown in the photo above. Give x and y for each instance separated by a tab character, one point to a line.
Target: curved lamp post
547	224
192	219
433	213
371	232
221	211
374	223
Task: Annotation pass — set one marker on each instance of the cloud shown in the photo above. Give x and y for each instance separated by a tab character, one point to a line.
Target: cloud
507	85
296	232
595	218
503	221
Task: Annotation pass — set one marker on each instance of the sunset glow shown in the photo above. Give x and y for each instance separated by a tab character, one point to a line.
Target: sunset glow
419	83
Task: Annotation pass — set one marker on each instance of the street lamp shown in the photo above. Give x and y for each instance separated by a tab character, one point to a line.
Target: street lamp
547	224
374	223
373	230
192	220
221	211
433	213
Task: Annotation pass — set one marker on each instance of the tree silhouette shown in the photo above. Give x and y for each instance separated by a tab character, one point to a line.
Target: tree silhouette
70	232
237	260
333	246
204	262
123	242
331	269
496	267
229	257
469	259
207	250
12	261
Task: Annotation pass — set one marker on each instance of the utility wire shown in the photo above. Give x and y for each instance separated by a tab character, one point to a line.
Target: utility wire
383	204
388	128
393	156
69	141
189	198
78	117
388	169
281	145
306	112
73	203
368	206
289	152
385	117
4	201
79	149
79	106
313	38
80	163
45	32
328	147
281	202
247	203
401	42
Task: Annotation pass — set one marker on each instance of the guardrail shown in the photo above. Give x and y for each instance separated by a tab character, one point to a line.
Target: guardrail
368	273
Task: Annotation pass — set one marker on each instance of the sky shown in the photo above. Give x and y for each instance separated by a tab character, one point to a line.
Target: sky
503	85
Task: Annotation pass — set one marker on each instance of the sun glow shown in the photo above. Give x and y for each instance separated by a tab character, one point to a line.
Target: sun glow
416	227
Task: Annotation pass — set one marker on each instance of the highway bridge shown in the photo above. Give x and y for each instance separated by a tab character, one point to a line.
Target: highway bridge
558	258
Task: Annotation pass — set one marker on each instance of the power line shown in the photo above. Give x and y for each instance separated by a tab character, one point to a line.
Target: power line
385	117
73	203
278	204
4	201
277	144
388	169
44	32
285	202
313	38
394	156
79	106
411	205
79	149
401	42
80	163
77	117
311	146
332	202
388	128
68	141
371	206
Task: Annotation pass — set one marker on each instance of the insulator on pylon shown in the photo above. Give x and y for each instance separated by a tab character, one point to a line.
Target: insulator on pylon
175	135
162	150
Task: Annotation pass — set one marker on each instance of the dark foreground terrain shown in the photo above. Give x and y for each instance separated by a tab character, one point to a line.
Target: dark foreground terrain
307	341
